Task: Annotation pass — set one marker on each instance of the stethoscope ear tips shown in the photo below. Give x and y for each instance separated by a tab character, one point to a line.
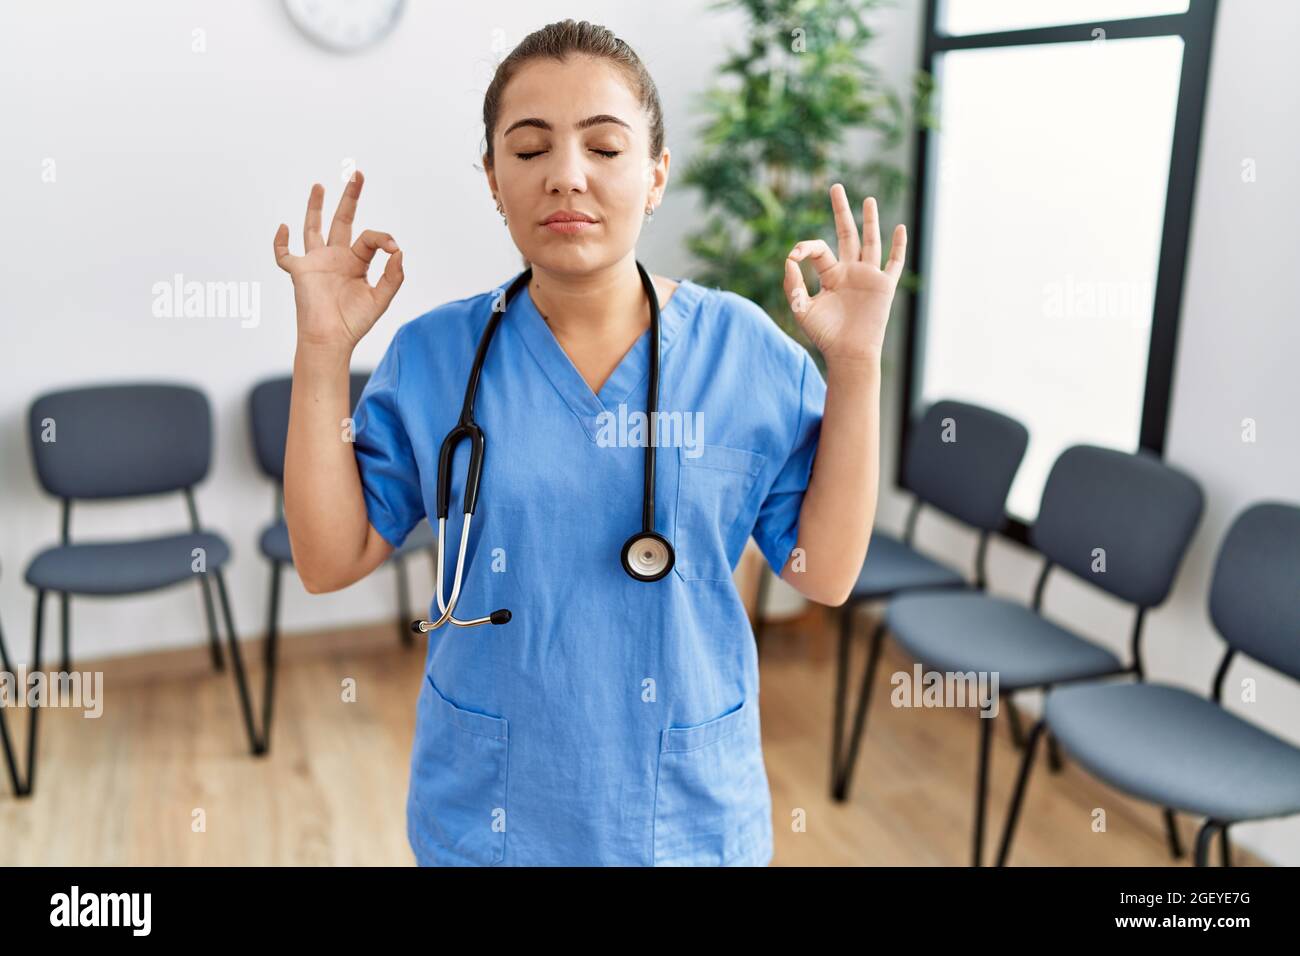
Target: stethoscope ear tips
647	556
420	627
500	617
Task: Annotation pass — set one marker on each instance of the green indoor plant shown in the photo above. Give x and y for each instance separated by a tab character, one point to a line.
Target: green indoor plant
774	140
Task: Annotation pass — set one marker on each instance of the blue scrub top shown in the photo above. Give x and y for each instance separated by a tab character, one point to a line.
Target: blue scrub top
611	721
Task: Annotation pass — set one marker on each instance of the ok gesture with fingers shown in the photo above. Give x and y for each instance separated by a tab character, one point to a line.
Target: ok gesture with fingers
336	304
846	319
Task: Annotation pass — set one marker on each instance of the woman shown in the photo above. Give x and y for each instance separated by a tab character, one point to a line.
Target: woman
611	720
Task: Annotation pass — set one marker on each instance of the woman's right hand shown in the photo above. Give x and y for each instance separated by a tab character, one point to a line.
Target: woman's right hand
336	305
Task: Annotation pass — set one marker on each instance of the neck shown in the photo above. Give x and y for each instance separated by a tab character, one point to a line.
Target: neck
592	304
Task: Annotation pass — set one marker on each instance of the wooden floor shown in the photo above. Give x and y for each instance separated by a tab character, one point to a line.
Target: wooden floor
164	776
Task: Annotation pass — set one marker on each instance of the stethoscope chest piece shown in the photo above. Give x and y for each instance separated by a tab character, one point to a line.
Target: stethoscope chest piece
647	556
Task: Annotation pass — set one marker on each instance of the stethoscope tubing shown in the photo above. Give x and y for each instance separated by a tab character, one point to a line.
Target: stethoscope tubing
467	428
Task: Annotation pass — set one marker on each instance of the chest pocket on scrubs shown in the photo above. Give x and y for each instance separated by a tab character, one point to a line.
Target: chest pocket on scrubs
712	803
713	489
457	797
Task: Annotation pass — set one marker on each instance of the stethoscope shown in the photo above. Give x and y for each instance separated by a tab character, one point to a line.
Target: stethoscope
646	556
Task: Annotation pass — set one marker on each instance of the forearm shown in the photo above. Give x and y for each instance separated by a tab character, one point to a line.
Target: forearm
329	530
839	506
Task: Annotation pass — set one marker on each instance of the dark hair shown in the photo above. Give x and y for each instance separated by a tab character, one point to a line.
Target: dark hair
556	41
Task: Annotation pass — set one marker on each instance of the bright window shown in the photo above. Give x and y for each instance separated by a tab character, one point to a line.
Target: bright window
1047	181
989	16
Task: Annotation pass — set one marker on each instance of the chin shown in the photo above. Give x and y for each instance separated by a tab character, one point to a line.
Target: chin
568	256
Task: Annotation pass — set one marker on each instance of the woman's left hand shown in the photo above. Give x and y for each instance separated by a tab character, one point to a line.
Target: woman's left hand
846	319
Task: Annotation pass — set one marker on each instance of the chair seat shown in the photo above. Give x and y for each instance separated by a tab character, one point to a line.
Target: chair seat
893	566
274	542
124	567
972	631
1176	749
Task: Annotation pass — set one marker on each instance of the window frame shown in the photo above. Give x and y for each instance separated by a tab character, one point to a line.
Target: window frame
1196	28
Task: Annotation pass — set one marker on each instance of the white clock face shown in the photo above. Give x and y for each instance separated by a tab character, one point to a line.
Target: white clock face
345	25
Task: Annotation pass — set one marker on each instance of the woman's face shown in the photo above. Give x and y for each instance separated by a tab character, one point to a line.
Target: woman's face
572	137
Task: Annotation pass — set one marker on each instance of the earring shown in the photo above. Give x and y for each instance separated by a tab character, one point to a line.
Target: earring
504	221
649	213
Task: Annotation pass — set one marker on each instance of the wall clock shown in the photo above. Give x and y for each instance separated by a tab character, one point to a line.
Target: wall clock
345	26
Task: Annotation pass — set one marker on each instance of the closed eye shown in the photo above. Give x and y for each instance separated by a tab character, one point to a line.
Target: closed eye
607	153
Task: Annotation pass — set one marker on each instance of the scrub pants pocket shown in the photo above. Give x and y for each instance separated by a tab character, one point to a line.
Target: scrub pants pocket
456	807
712	803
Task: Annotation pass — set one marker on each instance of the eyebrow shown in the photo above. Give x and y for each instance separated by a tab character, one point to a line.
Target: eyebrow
590	121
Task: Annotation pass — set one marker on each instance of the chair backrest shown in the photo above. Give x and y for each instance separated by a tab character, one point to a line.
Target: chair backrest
1119	520
268	408
1255	592
962	459
119	441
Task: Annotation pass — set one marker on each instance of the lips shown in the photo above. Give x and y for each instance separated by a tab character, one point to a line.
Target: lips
566	215
568	222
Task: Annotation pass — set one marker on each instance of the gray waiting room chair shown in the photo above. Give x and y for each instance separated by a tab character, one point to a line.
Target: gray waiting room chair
1175	748
961	460
1118	520
112	442
268	408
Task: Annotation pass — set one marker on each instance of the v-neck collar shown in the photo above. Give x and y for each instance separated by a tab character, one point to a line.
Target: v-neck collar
629	377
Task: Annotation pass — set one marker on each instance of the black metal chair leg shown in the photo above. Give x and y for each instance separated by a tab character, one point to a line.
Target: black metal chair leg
1171	830
1203	839
1013	718
404	633
1225	846
65	629
1017	799
760	601
241	682
860	714
37	631
10	758
214	638
841	695
271	654
1054	760
982	786
4	657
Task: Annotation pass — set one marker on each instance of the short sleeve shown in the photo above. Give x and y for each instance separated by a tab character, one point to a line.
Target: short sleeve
777	527
390	479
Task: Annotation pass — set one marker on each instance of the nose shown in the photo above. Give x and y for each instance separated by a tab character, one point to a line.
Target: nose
567	172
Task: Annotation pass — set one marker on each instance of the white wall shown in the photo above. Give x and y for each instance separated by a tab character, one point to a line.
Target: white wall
1239	345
